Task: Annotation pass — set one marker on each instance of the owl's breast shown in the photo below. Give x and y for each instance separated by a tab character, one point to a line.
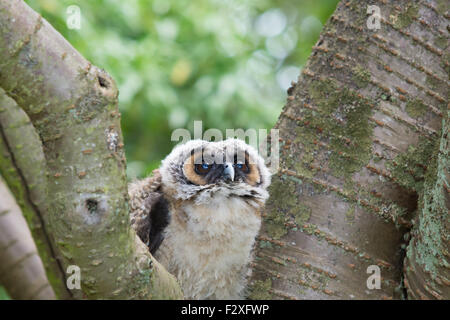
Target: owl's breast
209	246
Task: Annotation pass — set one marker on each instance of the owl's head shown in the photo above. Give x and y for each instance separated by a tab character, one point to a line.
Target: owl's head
200	170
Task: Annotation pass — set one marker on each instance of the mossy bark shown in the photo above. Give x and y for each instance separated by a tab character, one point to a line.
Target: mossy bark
427	267
74	180
358	140
20	147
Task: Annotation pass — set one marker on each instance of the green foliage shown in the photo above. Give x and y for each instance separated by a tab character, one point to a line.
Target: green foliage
225	62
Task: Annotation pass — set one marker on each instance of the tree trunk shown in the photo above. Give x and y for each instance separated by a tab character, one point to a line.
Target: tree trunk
360	137
66	165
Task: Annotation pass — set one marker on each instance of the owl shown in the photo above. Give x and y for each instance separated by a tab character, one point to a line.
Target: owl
200	212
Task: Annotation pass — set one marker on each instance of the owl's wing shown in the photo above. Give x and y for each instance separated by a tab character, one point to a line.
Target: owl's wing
149	210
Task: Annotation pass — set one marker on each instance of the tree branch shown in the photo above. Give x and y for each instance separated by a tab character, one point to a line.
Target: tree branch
22	272
20	146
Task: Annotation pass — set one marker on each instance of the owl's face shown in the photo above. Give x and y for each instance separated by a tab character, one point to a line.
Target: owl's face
200	170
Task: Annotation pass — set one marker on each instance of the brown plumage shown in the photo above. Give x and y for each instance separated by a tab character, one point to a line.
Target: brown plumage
148	210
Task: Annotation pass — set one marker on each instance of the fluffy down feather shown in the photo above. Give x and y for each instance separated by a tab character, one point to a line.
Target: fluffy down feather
203	234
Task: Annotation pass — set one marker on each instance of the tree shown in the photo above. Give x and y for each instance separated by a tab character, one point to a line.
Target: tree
364	162
66	165
364	165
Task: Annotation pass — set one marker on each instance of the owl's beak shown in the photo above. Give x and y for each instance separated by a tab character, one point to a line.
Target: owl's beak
228	171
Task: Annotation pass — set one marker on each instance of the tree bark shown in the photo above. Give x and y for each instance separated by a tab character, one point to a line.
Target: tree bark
360	139
20	147
427	271
72	180
22	272
364	162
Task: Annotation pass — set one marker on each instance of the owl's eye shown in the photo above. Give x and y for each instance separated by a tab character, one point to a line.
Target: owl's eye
242	166
202	168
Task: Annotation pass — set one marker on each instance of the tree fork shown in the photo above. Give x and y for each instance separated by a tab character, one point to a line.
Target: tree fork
73	108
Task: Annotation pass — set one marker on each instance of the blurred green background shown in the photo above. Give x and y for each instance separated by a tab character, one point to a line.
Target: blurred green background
225	62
